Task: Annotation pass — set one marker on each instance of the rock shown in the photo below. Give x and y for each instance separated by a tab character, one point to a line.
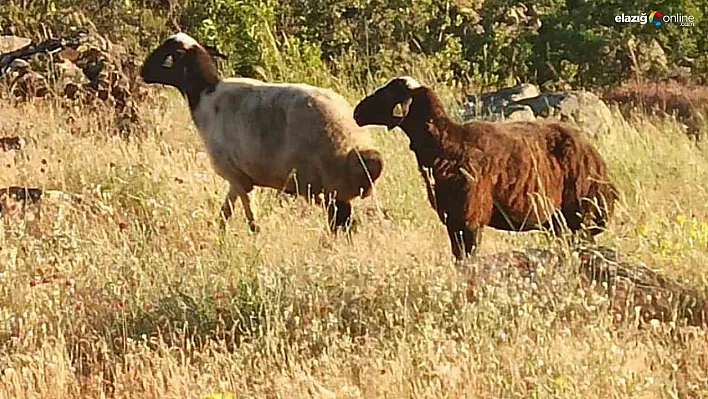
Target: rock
94	73
581	108
515	112
494	102
632	287
69	54
29	84
525	102
650	58
12	43
71	78
19	65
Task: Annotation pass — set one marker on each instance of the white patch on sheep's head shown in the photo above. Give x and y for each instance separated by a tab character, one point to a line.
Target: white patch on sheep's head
407	81
184	39
410	82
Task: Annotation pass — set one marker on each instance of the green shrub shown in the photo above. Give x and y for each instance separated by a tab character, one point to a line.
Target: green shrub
482	43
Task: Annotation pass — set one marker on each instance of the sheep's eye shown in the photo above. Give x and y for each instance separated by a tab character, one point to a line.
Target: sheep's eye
168	62
398	111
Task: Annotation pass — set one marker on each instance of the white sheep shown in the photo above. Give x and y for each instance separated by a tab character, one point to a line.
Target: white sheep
294	137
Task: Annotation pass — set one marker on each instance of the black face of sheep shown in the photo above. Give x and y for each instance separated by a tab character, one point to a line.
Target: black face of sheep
183	63
165	65
388	106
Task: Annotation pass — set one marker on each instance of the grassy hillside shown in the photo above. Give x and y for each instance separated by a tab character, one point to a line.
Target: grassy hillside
128	289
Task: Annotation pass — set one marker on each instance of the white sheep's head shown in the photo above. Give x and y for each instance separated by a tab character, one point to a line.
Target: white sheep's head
169	63
388	105
166	64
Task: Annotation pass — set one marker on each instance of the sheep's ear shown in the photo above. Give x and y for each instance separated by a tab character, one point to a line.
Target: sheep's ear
215	52
173	59
401	109
169	61
398	111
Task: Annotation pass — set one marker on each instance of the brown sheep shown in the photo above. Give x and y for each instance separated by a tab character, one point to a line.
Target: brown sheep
294	137
488	173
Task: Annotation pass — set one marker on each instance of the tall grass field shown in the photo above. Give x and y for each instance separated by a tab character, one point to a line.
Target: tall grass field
120	284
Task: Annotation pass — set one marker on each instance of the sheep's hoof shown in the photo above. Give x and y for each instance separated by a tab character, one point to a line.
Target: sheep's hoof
255	229
353	226
468	257
346	232
350	226
221	222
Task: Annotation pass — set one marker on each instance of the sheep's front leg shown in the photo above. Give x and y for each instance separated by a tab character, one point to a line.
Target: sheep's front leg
339	214
464	241
473	239
227	207
429	187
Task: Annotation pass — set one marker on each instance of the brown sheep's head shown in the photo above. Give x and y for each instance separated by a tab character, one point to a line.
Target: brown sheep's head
388	105
365	167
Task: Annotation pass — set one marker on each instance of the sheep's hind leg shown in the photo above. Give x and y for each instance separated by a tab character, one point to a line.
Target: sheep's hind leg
339	215
473	239
465	241
577	232
227	207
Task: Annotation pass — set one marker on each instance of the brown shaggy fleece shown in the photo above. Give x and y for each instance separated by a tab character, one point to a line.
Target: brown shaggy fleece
513	176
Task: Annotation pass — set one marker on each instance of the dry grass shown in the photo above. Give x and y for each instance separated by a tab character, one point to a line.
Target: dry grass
128	290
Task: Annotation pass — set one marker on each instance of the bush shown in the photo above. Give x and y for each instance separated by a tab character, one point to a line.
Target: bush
483	43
